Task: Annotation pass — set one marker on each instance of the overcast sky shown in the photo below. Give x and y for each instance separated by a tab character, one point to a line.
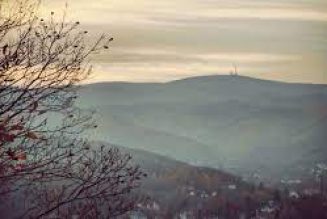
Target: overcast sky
162	40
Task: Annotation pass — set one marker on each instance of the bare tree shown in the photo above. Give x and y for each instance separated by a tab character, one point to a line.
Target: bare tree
44	161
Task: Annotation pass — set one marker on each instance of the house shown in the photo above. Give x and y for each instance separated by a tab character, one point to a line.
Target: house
232	187
293	194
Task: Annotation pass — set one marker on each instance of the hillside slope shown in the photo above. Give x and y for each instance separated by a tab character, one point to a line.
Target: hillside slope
174	187
238	123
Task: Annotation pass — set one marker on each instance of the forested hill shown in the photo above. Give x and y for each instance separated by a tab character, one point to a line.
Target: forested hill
236	123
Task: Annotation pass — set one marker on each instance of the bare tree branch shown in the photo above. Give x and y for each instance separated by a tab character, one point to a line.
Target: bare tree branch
42	152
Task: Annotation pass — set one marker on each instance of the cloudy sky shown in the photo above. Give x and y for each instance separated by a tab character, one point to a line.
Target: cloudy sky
162	40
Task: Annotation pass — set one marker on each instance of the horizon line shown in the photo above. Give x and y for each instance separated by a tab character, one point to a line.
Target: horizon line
202	76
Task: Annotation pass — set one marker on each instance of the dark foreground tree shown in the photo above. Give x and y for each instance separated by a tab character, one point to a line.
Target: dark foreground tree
46	168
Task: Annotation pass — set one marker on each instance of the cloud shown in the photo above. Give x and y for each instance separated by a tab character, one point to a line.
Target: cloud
140	54
249	57
169	39
169	12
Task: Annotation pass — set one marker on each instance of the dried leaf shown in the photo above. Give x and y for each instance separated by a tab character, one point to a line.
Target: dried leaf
5	137
17	127
31	135
21	156
34	106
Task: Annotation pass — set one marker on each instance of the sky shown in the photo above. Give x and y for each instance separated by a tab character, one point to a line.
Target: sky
164	40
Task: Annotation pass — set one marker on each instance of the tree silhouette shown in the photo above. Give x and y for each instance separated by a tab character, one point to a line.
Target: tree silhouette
45	164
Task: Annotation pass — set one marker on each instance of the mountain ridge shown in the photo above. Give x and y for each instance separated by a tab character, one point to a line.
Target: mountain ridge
218	76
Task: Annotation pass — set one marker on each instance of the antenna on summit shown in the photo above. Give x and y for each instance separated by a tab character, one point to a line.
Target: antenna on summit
234	72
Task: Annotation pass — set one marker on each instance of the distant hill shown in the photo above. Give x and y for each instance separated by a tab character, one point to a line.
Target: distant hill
236	123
